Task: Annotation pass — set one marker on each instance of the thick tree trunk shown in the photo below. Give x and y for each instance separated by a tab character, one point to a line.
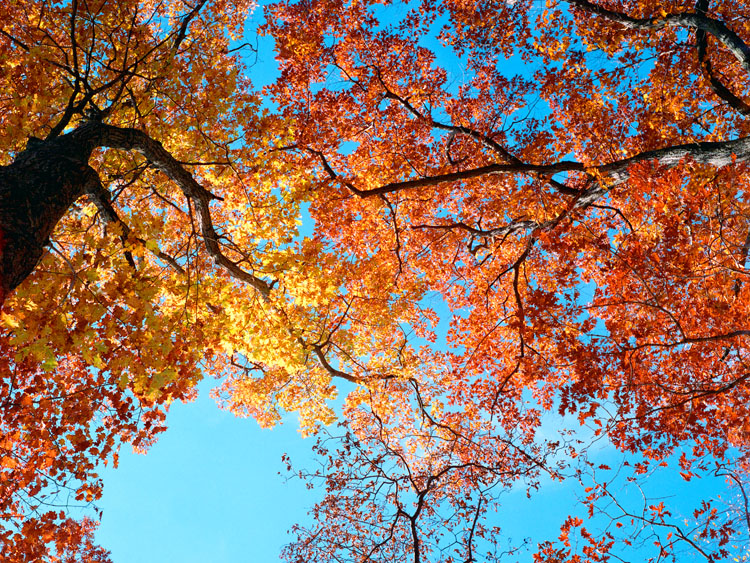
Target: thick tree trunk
44	181
36	190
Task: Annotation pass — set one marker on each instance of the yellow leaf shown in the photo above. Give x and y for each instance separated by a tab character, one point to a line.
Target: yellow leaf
9	321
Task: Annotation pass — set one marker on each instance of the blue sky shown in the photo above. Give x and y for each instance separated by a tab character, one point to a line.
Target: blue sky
209	490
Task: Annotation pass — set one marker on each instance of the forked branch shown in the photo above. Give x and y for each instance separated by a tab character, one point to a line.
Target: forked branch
103	135
699	21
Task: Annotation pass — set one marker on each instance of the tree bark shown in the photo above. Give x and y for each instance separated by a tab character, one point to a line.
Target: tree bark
36	190
44	181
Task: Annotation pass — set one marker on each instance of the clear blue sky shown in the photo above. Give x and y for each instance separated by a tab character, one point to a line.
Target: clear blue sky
209	490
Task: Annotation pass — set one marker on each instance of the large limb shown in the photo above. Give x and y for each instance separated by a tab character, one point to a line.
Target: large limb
36	190
718	154
46	179
161	159
601	178
709	73
699	21
704	25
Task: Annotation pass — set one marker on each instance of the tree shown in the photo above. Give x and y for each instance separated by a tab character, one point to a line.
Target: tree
586	223
149	235
95	348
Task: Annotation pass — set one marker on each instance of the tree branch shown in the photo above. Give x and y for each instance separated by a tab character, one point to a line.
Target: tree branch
719	88
161	159
182	31
469	132
714	153
717	28
101	198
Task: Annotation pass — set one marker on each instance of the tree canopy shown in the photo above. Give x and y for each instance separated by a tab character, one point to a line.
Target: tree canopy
564	184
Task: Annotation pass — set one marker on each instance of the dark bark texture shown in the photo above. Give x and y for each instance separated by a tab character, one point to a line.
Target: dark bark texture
46	179
36	190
